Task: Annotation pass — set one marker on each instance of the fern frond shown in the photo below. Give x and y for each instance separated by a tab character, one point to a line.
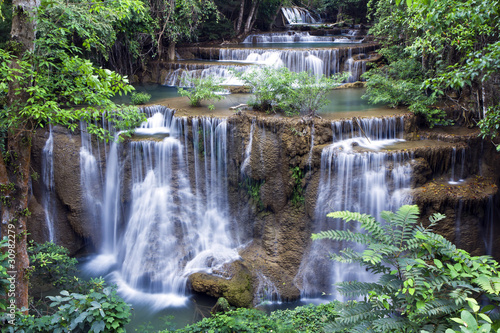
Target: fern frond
489	284
367	222
392	324
343	235
355	288
438	308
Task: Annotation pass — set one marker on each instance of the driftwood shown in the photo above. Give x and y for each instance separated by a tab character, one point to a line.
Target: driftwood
238	106
361	129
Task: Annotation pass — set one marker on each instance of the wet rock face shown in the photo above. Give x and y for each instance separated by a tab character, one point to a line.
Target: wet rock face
72	227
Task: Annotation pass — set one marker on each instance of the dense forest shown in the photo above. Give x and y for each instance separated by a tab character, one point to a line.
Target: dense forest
63	61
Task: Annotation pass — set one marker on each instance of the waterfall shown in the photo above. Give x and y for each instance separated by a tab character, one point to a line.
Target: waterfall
453	178
90	177
266	290
48	185
355	68
248	150
294	60
180	76
293	37
367	182
176	221
297	15
489	221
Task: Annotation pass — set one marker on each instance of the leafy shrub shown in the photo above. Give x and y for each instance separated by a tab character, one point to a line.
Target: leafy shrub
239	320
309	318
98	311
281	90
206	88
423	279
51	264
400	84
490	125
139	98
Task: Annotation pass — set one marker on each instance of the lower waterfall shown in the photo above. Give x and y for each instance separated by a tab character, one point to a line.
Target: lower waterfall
176	220
366	182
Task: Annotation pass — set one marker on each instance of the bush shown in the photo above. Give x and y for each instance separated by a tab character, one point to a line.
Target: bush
51	264
400	84
139	98
206	88
490	125
98	311
281	90
309	318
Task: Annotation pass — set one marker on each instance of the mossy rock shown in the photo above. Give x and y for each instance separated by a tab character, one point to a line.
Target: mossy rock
237	289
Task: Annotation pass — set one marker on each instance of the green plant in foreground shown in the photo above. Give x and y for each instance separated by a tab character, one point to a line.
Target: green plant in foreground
204	88
309	318
423	279
139	98
98	311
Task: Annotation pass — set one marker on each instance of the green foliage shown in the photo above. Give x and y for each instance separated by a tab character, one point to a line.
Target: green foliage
213	29
298	190
5	22
206	88
239	320
400	84
59	85
476	322
139	98
490	125
456	44
52	264
423	278
4	283
284	91
253	189
307	318
98	311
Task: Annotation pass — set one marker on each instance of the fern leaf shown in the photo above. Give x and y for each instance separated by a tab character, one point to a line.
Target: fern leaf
367	222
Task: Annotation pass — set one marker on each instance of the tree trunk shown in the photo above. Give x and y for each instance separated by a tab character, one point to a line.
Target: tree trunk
15	167
250	18
15	212
171	51
271	24
237	28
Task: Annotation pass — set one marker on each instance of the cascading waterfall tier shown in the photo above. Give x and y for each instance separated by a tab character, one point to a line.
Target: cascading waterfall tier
297	37
367	182
297	15
48	185
177	221
320	61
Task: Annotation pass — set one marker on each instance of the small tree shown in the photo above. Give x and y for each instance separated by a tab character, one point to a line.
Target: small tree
204	88
281	90
423	278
